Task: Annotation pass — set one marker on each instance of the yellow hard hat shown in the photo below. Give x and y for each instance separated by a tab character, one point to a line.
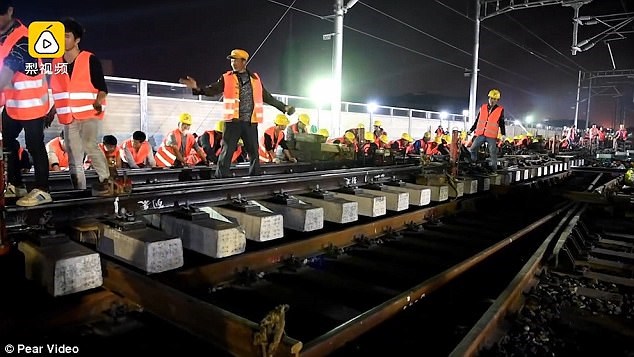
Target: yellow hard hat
349	135
494	93
517	137
369	136
438	139
185	118
529	134
281	119
407	137
238	53
447	139
220	126
361	126
535	140
427	135
384	139
324	133
240	142
509	139
377	123
463	135
304	119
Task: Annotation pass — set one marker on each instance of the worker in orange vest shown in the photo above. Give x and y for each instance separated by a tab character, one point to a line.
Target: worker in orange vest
80	102
57	154
274	137
243	98
402	143
301	127
178	144
136	152
211	142
110	150
489	121
378	130
24	93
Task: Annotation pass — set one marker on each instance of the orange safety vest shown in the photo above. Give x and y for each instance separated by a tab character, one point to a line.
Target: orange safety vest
20	153
264	156
62	155
28	99
488	123
139	156
236	154
110	156
212	141
231	97
165	155
75	95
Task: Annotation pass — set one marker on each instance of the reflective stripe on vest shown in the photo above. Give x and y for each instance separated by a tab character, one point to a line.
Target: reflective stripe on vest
28	98
74	96
165	156
264	156
488	123
139	156
231	98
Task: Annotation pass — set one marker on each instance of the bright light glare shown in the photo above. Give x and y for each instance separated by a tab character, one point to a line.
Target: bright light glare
321	91
444	115
465	112
372	107
529	118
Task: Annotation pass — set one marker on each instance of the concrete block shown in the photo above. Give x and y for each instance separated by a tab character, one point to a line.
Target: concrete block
369	204
456	190
337	210
63	268
470	185
418	195
147	249
484	183
261	225
216	237
394	200
439	193
498	178
298	216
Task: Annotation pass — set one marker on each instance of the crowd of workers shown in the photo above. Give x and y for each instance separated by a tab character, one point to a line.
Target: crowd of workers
79	93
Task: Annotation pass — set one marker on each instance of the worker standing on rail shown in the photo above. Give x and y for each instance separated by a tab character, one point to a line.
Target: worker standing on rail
178	144
136	152
80	102
27	103
489	121
243	97
272	139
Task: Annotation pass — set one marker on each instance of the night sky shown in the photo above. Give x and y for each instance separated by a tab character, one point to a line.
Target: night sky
525	53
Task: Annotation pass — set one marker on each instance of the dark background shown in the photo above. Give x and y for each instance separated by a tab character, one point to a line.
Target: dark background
524	53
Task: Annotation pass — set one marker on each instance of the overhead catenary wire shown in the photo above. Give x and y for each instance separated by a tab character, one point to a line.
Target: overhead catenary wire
506	38
445	42
393	43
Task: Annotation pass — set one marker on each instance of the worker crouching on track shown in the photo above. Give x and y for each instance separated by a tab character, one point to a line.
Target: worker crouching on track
401	145
136	152
301	127
57	155
274	137
178	144
211	142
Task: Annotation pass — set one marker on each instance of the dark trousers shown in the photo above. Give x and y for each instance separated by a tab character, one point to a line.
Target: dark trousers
34	138
234	130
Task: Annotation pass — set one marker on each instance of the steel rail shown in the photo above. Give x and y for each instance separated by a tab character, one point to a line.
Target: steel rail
510	299
352	329
158	198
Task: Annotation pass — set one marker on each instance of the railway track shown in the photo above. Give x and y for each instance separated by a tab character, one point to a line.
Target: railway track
442	265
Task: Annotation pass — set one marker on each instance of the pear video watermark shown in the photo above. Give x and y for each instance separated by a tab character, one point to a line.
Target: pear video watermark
47	349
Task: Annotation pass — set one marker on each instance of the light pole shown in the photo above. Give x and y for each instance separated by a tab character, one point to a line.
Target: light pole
372	107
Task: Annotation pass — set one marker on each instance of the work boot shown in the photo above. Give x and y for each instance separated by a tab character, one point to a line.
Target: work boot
102	189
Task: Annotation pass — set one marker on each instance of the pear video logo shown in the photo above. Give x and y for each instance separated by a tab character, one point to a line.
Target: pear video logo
46	39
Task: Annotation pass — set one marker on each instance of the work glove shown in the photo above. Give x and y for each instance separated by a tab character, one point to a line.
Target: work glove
290	110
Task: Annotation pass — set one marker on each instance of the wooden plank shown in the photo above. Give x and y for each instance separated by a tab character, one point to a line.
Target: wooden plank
619	280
